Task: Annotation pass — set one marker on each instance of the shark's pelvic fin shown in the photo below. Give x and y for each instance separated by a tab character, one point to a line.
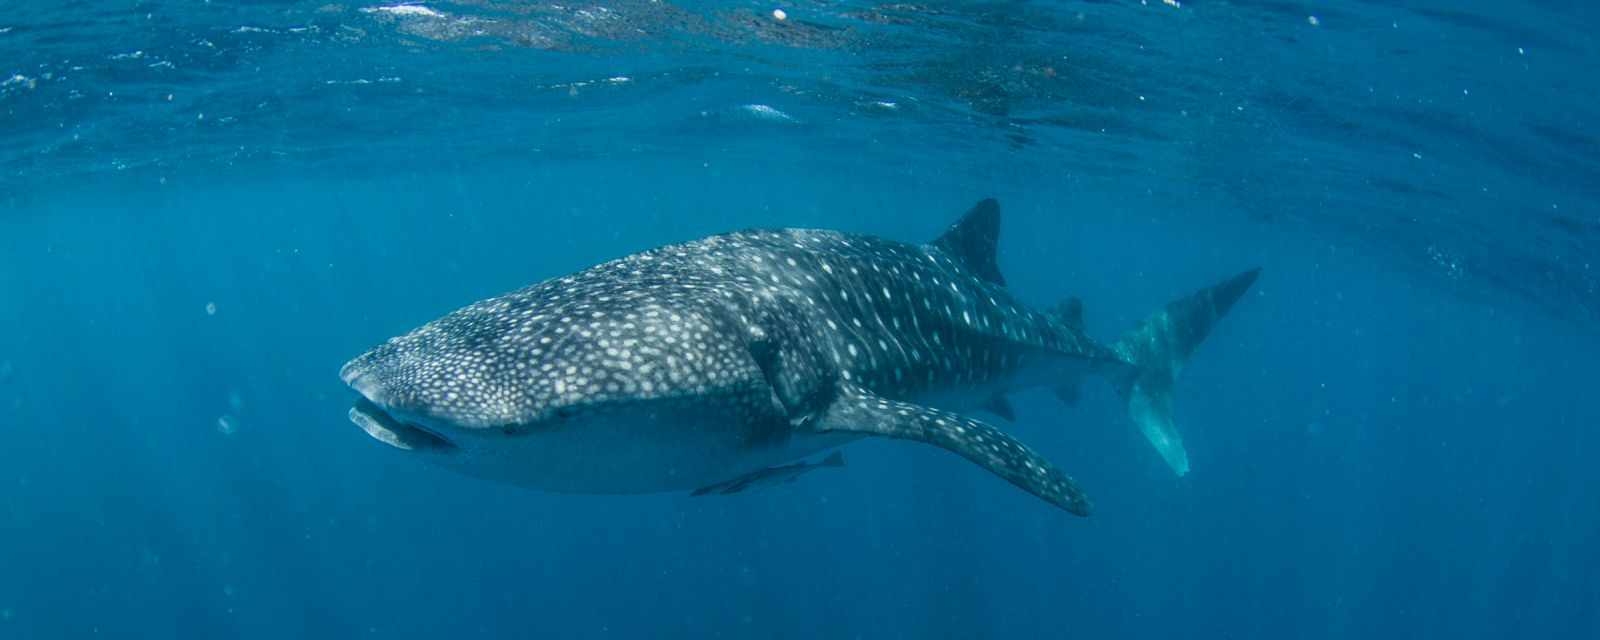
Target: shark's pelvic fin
856	410
972	241
1159	347
1068	393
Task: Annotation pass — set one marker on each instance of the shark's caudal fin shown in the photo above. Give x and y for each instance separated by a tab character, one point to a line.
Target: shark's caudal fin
1159	347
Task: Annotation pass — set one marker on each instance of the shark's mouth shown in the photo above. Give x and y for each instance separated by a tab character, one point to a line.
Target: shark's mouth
396	433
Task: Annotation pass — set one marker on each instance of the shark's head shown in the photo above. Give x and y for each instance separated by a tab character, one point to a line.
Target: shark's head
450	378
548	359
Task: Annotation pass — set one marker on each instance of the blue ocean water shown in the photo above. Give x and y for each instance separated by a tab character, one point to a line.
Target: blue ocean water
207	207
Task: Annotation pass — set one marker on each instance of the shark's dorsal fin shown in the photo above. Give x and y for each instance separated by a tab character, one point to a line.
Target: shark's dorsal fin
857	410
973	238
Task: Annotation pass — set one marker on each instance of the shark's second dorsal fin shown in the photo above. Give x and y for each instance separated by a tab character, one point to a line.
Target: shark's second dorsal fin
973	238
1070	313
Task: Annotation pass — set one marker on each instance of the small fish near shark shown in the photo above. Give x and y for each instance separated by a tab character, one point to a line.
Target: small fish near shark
783	474
711	366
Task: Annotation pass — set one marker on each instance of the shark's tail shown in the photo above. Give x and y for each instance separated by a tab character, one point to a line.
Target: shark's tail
1159	347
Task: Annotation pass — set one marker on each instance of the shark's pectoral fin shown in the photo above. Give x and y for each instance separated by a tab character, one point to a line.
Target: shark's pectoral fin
856	410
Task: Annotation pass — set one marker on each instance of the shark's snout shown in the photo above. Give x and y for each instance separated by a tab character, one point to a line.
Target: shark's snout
379	419
360	379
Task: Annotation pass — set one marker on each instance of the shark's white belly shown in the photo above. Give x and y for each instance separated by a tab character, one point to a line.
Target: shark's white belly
636	452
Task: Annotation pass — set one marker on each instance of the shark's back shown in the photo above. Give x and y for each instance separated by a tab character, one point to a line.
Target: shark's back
902	319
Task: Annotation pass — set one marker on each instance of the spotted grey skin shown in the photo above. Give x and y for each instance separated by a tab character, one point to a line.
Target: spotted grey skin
700	363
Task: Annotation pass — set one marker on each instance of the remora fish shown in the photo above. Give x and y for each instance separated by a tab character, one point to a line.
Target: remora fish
696	364
782	474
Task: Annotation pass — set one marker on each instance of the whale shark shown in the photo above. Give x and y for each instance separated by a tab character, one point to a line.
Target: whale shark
692	366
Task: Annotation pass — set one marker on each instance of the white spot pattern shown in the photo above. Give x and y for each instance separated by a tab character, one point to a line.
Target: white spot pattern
679	321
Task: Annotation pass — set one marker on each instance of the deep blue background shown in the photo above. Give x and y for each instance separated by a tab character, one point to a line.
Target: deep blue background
1392	435
1370	457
